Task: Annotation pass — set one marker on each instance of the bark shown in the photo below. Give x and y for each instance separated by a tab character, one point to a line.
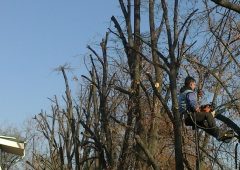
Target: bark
177	124
173	81
69	115
227	4
140	130
133	59
153	141
229	123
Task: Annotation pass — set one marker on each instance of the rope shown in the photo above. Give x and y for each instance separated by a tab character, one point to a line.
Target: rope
197	125
197	145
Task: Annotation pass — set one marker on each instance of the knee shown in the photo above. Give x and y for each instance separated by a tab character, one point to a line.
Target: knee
209	115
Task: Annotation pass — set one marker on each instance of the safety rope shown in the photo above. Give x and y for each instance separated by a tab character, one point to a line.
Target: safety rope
197	145
197	125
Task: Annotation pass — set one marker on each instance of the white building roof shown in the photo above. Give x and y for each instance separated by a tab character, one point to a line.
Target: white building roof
11	145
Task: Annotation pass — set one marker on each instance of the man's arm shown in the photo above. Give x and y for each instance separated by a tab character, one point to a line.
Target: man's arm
192	101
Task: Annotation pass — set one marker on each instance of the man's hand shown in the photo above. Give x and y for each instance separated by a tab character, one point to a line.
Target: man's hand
199	93
198	109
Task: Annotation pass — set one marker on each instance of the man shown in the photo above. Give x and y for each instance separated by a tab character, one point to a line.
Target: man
193	115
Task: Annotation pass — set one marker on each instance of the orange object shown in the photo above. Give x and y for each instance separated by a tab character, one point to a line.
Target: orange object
206	108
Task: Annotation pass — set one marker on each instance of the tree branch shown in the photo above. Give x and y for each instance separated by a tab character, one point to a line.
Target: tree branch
147	153
227	4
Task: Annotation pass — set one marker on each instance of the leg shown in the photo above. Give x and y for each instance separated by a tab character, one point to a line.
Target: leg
212	129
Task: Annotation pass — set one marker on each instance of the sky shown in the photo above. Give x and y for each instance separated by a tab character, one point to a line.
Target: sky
35	38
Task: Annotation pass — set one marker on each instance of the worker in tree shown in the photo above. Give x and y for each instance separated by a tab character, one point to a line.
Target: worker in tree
195	115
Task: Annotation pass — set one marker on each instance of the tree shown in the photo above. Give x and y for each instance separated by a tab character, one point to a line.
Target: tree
126	115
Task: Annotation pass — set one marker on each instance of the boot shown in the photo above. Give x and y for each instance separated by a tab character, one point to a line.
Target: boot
213	113
226	136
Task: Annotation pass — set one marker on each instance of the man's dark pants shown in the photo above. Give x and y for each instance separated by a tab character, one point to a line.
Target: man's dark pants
202	120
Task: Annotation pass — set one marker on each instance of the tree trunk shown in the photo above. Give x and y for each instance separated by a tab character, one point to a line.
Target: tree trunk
177	122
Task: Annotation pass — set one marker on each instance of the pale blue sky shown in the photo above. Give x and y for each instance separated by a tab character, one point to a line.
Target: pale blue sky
37	36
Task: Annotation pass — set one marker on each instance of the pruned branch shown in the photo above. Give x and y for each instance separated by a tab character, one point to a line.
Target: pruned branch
160	98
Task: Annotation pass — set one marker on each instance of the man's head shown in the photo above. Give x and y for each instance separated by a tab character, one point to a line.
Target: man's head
190	82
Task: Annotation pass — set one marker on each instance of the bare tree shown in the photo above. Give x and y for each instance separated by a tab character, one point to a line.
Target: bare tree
126	115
